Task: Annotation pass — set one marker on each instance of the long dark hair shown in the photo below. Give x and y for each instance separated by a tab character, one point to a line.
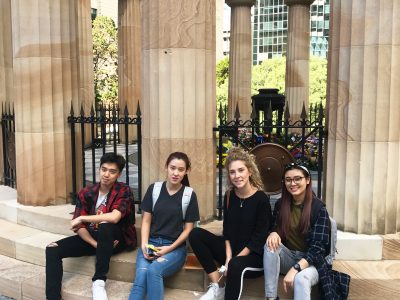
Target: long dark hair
286	201
185	158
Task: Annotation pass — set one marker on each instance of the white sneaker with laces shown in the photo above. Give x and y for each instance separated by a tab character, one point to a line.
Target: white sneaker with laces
214	292
99	290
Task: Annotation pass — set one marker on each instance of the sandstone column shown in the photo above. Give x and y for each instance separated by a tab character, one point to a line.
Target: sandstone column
129	58
240	62
297	56
86	73
178	90
45	58
362	180
85	58
6	80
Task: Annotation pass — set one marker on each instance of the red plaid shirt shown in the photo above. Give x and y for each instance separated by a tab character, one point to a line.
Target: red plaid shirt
120	197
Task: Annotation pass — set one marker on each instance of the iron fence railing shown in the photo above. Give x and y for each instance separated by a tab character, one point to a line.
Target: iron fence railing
104	132
303	138
8	139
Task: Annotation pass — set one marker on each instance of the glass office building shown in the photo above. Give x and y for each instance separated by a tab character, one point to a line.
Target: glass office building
270	25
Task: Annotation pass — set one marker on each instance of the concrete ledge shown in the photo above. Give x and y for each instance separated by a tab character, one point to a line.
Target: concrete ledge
351	246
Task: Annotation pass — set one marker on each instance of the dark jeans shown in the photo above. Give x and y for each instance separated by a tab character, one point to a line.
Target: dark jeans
74	246
209	248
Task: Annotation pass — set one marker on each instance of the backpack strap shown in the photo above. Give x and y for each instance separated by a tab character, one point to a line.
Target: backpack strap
187	194
156	192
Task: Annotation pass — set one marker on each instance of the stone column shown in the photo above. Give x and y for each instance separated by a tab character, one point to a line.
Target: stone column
85	58
363	177
6	72
298	56
129	58
45	58
86	73
240	62
178	90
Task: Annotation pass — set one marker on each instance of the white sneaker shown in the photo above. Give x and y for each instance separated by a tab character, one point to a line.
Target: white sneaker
214	292
99	290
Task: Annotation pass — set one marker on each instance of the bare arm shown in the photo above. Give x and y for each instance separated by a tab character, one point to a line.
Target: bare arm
85	235
245	251
288	280
181	239
111	217
145	232
228	253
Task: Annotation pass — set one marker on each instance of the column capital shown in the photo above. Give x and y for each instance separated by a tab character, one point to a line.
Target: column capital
232	3
299	2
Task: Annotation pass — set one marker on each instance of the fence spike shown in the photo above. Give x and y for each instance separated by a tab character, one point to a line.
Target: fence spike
82	110
303	114
2	108
138	111
286	113
13	112
220	113
253	114
320	112
92	111
237	112
269	112
126	113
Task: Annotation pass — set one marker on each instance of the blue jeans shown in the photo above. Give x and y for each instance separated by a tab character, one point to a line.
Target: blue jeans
281	261
150	274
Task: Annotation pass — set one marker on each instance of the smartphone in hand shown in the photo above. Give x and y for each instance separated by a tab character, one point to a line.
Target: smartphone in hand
151	250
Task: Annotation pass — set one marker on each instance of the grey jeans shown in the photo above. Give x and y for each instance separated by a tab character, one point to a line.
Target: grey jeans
280	262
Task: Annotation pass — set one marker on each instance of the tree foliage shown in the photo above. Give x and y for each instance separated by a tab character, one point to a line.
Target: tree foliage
271	74
105	59
222	82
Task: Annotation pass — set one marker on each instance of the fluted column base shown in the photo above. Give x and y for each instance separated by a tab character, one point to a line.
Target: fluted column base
178	90
129	59
46	81
363	150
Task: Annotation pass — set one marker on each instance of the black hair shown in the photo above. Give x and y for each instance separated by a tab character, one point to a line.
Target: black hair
112	157
185	158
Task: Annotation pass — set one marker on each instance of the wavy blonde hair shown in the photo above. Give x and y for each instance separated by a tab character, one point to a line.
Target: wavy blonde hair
249	160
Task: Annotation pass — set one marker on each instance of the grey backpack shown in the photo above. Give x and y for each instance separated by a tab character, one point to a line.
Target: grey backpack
187	194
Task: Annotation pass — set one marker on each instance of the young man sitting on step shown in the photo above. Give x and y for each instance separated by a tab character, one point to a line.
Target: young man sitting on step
104	221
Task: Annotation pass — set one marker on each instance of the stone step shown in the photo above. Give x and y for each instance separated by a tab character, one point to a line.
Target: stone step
21	280
56	219
391	246
28	245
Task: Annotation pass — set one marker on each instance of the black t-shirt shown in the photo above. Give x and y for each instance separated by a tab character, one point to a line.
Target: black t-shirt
167	219
247	222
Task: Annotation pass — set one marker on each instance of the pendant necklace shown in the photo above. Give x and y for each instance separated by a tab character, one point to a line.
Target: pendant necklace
241	201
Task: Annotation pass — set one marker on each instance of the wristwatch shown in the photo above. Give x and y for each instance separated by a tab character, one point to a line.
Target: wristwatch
297	267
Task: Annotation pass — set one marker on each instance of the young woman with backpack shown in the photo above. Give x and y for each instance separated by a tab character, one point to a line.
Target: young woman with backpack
300	241
170	210
247	215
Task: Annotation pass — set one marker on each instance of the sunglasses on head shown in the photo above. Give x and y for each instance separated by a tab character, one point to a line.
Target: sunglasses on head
294	165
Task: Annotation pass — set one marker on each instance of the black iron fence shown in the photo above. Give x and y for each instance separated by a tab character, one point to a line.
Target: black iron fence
8	137
303	138
100	131
105	133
